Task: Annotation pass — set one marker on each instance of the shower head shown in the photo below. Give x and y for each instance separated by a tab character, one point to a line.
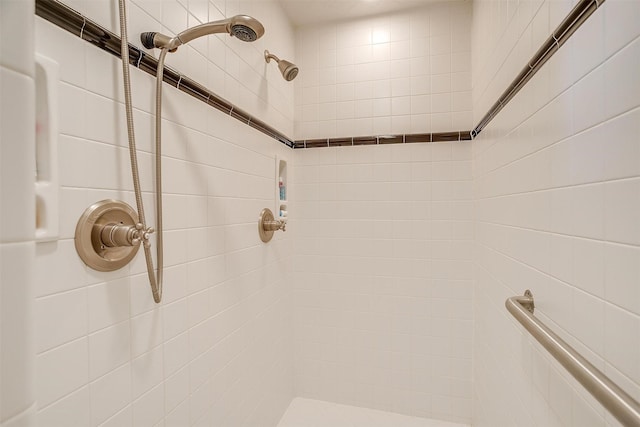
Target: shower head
243	27
289	70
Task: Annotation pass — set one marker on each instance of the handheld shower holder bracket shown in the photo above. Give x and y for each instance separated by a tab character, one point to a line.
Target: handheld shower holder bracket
152	40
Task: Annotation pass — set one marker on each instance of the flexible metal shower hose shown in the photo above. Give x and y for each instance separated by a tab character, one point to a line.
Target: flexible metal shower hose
155	278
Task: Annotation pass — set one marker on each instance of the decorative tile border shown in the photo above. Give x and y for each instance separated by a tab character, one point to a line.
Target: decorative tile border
74	22
384	139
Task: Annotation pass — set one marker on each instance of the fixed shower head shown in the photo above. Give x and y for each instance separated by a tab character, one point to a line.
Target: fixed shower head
288	69
243	27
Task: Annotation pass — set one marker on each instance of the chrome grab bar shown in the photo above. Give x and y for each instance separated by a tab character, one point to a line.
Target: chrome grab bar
613	398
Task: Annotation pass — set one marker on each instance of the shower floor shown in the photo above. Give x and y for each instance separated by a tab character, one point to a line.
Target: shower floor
316	413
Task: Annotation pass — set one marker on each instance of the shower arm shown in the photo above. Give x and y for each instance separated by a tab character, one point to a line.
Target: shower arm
268	56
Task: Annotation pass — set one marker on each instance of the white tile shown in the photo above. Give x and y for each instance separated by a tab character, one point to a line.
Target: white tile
110	394
61	371
146	332
108	303
176	355
103	75
400	87
147	371
176	389
587	45
622	272
64	48
73	173
60	318
72	111
560	397
589	329
122	418
588	100
400	106
441	102
146	409
73	409
109	348
179	416
588	266
101	113
621	209
141	297
622	89
587	210
622	157
561	259
72	202
622	348
441	83
620	24
420	104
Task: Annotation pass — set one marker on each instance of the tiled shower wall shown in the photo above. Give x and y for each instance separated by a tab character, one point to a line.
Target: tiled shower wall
17	219
217	350
407	72
383	277
557	202
232	69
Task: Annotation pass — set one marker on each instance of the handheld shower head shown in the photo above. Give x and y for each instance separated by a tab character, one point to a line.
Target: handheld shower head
288	69
243	27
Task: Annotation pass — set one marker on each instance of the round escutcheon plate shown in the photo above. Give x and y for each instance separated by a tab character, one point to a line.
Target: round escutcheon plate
88	242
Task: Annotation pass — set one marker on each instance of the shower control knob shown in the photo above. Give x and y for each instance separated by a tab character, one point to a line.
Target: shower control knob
141	235
267	225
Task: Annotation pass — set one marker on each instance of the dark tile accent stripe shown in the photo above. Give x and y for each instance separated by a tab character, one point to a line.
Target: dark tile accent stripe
365	140
313	143
68	19
576	17
384	139
418	137
446	136
391	139
339	142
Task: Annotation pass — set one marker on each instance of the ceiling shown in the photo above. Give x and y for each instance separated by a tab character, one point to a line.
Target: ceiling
310	12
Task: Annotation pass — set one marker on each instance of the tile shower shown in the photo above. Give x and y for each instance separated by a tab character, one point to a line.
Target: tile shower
387	289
